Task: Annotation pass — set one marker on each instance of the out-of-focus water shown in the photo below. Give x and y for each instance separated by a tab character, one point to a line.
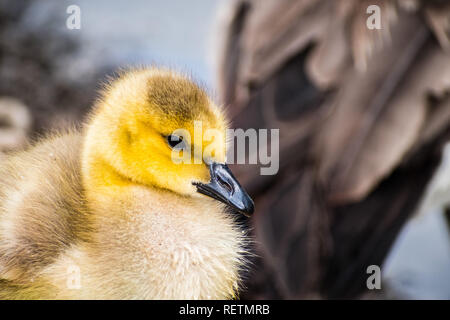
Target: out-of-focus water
173	33
120	33
418	266
419	263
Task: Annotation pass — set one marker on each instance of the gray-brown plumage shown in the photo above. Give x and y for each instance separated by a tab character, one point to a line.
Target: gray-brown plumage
362	116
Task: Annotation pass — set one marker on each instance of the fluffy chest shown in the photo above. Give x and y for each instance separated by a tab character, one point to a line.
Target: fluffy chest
164	246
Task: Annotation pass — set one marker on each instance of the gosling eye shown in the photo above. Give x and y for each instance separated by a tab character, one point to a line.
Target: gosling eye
176	142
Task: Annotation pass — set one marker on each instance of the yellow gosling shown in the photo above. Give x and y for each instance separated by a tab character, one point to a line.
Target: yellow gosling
105	213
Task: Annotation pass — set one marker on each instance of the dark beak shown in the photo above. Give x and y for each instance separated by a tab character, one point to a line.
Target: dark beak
224	187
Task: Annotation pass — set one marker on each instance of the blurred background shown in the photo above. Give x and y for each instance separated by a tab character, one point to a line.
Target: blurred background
364	117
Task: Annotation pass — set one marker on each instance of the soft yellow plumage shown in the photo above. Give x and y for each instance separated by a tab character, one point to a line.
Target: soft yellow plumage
104	212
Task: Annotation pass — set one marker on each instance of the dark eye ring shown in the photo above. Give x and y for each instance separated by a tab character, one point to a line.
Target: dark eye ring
175	142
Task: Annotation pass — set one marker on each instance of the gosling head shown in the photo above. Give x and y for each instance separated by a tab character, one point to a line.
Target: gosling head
157	128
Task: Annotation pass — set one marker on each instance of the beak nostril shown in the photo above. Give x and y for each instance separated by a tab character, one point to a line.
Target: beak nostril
225	184
224	187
